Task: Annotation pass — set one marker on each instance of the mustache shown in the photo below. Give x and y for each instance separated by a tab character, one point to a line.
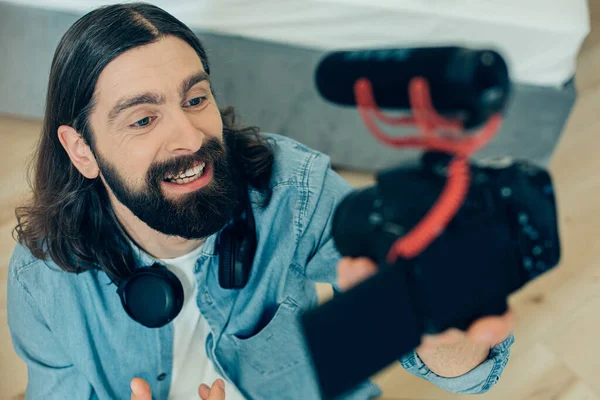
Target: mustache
210	152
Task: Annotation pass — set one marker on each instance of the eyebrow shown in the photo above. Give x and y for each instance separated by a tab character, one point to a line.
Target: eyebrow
153	98
128	102
192	80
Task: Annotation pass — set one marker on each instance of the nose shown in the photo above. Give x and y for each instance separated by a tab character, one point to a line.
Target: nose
184	137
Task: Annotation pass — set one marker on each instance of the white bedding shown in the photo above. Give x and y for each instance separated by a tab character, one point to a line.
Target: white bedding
539	38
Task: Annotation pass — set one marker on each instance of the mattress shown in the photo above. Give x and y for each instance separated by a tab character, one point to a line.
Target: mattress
540	39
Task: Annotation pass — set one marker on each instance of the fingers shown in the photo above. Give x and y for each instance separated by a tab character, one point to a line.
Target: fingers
216	392
352	271
487	331
492	330
140	389
203	391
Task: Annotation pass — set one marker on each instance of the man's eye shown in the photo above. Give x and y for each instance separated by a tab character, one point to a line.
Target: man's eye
142	122
196	101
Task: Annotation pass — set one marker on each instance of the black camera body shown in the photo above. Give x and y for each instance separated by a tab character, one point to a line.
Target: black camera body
504	235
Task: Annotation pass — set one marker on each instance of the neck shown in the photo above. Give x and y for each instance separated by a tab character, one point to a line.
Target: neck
153	242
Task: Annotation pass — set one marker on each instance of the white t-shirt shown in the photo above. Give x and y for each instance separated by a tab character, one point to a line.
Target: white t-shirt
191	366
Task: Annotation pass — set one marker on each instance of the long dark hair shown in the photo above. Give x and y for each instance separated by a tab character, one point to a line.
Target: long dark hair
69	218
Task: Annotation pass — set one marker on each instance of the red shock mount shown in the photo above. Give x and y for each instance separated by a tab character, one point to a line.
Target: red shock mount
436	133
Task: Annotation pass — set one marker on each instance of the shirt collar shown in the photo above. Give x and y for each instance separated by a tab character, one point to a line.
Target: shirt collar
142	258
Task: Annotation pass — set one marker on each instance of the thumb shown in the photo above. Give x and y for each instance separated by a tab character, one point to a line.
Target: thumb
140	389
493	329
217	391
352	271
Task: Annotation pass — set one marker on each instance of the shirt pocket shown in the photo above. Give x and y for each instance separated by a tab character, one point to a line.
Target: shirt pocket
279	346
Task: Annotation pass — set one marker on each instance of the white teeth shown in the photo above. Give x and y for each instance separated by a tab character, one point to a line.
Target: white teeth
189	175
181	181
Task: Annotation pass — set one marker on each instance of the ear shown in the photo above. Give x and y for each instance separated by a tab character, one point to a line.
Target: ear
79	152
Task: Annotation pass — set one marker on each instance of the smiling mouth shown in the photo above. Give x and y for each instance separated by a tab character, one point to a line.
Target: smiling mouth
187	176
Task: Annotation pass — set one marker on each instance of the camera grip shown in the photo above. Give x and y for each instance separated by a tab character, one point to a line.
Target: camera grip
355	333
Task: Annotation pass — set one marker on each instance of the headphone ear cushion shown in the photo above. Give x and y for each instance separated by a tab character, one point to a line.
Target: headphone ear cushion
245	258
152	296
227	254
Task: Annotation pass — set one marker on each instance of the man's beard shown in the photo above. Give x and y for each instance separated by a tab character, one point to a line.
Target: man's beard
194	215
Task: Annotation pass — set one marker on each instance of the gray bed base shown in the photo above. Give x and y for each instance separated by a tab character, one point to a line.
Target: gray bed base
271	85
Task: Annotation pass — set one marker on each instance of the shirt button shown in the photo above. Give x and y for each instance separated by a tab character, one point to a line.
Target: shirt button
161	377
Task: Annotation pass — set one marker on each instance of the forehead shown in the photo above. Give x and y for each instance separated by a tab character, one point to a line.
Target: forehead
157	67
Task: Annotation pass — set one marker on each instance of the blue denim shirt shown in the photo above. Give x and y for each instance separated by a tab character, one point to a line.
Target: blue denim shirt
79	343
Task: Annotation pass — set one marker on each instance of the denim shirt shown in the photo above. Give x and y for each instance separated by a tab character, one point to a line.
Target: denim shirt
79	343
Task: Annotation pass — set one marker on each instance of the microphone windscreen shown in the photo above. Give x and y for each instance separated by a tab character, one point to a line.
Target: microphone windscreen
466	84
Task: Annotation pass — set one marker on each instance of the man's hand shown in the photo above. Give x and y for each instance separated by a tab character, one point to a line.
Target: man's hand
216	392
487	331
140	390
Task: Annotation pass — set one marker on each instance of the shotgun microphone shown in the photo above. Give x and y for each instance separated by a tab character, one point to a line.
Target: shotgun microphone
466	85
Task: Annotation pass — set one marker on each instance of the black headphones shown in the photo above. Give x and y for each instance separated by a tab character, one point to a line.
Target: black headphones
153	296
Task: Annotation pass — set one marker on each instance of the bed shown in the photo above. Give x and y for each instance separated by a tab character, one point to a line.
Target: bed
264	54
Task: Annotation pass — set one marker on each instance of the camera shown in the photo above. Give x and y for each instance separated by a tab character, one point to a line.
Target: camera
502	234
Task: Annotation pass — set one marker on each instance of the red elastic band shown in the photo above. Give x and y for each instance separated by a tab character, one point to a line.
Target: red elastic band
437	134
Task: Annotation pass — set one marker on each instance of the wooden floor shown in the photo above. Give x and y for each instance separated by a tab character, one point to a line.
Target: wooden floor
557	351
